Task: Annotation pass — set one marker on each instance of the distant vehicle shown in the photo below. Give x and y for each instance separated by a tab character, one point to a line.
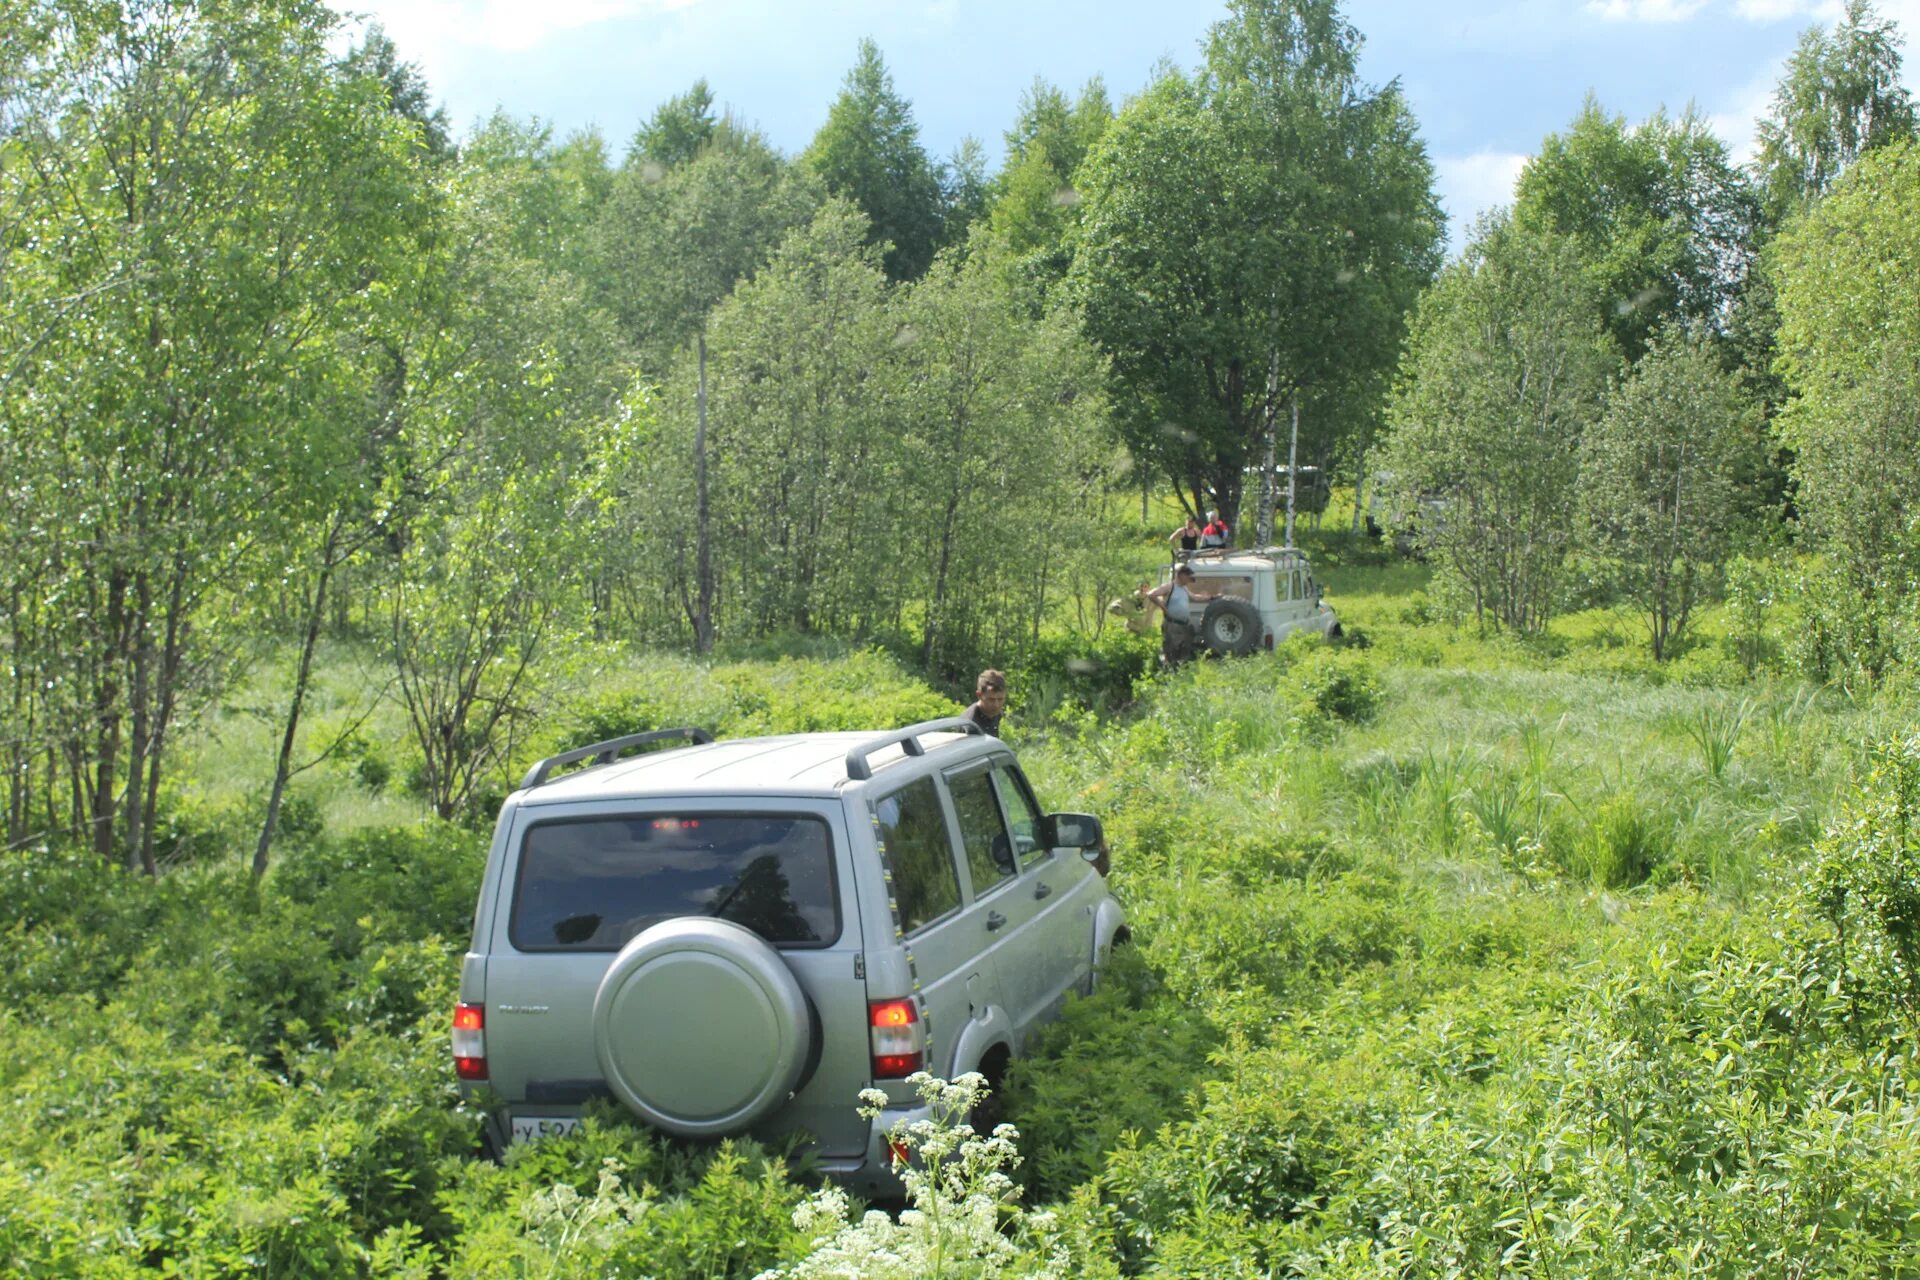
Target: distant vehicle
1265	595
1412	520
740	936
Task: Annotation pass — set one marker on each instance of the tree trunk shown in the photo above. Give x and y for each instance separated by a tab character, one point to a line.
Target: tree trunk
141	723
1293	466
702	531
1263	526
283	764
166	696
107	717
936	609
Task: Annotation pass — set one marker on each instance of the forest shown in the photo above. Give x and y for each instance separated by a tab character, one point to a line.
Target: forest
1561	919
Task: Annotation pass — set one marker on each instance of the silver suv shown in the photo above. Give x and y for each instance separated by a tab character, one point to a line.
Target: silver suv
742	935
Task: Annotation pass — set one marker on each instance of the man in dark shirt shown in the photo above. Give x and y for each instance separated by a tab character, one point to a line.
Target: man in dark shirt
990	702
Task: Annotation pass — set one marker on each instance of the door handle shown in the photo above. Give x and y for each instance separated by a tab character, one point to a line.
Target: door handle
995	920
1042	889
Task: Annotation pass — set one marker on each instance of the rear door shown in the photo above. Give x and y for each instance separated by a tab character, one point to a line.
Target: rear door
999	885
583	882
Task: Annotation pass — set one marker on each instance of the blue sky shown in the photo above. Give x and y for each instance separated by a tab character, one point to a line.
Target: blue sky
1487	79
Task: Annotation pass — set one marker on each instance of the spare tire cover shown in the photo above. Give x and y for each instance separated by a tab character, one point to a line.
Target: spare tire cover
700	1027
1231	627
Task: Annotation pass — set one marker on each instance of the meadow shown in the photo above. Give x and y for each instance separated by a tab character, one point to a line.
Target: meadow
1451	955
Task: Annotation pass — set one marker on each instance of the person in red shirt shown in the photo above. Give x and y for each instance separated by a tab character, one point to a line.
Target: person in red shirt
1216	534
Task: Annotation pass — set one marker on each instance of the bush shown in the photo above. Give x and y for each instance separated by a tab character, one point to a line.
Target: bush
1336	685
1866	883
1065	1096
1096	674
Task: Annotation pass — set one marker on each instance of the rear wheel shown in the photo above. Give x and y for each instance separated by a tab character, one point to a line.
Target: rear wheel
991	1110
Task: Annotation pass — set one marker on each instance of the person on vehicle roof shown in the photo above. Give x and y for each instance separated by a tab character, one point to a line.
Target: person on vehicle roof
1216	535
990	702
1175	599
1186	539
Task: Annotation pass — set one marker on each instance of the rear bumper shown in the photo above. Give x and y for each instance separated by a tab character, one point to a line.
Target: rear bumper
869	1174
872	1175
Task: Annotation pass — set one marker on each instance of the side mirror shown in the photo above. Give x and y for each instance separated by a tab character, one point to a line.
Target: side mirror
1072	831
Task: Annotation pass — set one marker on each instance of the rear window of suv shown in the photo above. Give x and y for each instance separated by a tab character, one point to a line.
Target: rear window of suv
592	884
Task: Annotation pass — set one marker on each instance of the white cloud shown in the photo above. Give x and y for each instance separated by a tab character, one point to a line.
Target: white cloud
1646	10
1739	115
499	24
1472	184
1780	10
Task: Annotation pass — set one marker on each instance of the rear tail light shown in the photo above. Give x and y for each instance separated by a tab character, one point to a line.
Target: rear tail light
470	1041
899	1038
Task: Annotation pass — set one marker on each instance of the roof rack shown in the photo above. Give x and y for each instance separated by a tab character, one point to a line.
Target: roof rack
908	741
608	751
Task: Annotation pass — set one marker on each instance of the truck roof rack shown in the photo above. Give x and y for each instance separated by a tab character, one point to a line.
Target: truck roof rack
908	740
609	751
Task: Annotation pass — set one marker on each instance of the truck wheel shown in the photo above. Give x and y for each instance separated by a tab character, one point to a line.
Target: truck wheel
1231	627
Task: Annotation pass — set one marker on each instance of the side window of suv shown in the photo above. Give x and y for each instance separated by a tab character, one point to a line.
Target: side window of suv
919	854
1020	809
989	850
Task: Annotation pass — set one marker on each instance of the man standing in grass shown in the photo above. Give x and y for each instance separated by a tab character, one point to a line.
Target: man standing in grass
990	702
1175	599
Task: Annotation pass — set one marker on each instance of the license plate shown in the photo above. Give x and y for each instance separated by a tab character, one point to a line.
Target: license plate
533	1128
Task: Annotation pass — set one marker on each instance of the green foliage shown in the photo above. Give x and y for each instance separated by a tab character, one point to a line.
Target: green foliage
1067	1099
869	152
1659	470
680	229
1867	883
1068	669
677	130
1336	683
1839	98
1251	237
1502	374
615	1200
1851	350
1661	218
187	294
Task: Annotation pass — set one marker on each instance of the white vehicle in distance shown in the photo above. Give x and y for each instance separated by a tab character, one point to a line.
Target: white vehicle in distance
1264	595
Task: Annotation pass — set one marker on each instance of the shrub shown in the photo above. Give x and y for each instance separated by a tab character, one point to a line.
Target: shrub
1097	674
1070	1103
1336	685
963	1219
1866	882
1623	844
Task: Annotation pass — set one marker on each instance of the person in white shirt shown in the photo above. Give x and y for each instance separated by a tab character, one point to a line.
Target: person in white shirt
1175	599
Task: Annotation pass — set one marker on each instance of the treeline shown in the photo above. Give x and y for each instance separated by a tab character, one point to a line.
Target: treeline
282	357
1658	366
